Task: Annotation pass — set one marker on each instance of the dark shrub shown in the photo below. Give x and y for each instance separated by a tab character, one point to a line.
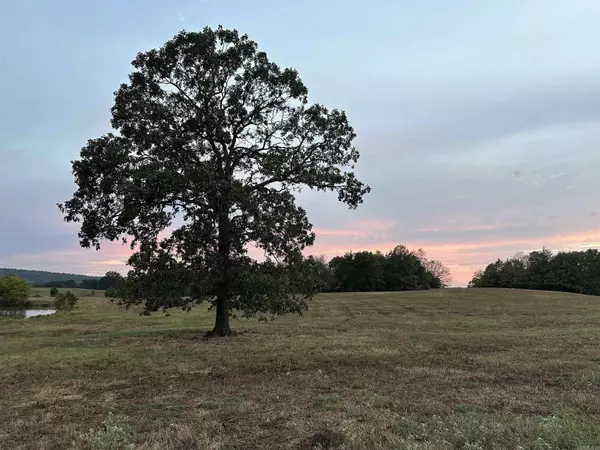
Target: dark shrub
112	292
65	301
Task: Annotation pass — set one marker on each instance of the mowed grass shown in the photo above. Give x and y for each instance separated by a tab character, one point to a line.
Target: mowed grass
447	369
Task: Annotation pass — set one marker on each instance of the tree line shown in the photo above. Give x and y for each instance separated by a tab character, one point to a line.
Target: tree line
110	280
576	271
39	278
398	270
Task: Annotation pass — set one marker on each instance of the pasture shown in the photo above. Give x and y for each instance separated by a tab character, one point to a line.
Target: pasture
443	369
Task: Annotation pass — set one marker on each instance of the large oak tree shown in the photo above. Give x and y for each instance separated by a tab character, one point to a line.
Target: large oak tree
214	138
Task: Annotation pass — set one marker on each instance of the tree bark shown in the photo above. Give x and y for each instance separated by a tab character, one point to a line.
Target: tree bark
223	293
222	327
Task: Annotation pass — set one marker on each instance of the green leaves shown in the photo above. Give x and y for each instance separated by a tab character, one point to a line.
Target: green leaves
213	137
13	291
565	271
398	270
66	301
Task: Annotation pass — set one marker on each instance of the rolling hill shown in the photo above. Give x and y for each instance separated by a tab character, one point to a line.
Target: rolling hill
40	276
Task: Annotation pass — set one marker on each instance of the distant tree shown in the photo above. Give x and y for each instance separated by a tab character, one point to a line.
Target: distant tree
211	131
476	280
369	271
513	272
113	292
343	271
591	272
398	270
404	271
89	284
440	274
358	272
538	269
13	291
321	273
490	277
566	272
61	284
66	301
577	272
112	279
53	292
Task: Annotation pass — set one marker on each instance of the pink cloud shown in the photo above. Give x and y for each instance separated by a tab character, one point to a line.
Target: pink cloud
74	259
461	228
363	228
376	224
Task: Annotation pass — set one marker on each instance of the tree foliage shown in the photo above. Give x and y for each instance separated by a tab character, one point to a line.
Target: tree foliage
13	291
214	138
61	284
66	301
110	280
398	270
565	271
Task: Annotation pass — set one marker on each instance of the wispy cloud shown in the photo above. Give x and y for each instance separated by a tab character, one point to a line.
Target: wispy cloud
533	179
459	228
369	228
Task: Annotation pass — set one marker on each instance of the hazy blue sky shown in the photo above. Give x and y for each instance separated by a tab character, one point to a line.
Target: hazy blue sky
478	121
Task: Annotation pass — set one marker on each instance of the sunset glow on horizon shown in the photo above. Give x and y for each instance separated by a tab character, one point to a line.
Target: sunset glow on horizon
462	258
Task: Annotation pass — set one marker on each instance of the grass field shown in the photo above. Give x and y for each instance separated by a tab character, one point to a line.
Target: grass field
448	369
40	297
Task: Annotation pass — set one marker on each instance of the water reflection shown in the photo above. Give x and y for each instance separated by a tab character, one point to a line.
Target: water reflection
19	312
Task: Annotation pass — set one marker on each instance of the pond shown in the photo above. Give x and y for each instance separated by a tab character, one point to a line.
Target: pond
21	312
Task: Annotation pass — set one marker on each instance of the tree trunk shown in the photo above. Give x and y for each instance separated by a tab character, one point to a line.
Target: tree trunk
222	318
223	286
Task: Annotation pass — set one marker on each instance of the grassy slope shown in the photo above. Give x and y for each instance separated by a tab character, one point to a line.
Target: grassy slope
421	370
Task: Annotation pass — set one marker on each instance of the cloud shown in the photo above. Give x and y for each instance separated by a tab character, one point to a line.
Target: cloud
368	228
72	259
533	179
464	228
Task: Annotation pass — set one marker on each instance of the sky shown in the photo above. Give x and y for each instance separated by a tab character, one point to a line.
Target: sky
478	122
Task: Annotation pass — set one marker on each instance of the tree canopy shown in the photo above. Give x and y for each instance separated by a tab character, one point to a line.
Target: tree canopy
564	271
212	140
13	291
398	270
111	280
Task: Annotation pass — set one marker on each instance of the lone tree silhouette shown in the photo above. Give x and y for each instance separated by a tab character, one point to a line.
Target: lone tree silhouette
213	137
